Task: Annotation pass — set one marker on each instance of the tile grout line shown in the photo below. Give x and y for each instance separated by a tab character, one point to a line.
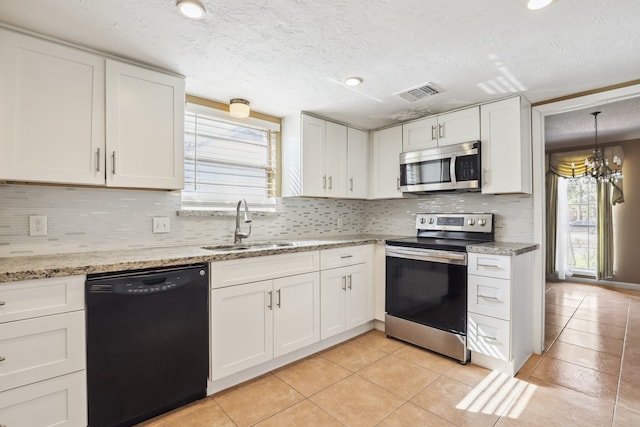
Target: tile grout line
624	345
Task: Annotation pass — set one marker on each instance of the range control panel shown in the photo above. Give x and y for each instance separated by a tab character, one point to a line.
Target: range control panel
473	222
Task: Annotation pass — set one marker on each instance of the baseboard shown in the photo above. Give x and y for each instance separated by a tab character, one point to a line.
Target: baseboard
607	283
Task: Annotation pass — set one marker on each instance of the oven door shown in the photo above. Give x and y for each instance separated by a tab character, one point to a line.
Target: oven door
427	287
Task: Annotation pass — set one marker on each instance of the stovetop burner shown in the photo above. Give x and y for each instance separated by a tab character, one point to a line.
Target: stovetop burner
452	232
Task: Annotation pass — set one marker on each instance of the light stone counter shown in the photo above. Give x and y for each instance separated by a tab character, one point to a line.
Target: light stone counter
43	266
502	248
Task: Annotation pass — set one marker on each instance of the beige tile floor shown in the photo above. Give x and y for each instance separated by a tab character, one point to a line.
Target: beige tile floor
588	376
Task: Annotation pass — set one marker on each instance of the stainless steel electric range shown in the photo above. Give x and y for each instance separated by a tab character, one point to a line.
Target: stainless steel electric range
426	281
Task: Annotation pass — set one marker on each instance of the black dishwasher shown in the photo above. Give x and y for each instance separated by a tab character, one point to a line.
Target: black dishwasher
147	342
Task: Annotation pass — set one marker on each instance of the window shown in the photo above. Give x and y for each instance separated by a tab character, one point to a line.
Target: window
227	160
582	208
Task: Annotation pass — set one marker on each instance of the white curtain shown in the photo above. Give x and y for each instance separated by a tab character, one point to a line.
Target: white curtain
562	231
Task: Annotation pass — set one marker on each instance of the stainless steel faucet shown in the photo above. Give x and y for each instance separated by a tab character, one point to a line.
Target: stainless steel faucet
239	235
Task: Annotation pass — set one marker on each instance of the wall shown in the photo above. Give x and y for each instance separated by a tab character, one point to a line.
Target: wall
512	213
95	219
626	229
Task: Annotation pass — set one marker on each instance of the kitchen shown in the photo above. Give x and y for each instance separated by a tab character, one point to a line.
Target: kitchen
121	219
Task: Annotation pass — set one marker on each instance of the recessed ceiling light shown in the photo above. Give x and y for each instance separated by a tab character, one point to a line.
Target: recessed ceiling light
538	4
353	81
191	9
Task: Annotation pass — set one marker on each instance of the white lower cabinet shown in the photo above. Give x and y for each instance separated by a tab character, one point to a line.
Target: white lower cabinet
346	293
42	353
255	322
60	401
500	315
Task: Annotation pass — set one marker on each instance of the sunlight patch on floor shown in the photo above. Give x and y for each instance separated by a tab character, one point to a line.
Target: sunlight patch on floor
498	394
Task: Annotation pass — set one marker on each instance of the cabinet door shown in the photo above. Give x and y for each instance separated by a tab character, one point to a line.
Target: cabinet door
336	160
357	164
490	336
459	126
145	127
296	315
359	304
40	348
420	134
385	172
333	289
314	179
506	147
51	112
241	327
60	402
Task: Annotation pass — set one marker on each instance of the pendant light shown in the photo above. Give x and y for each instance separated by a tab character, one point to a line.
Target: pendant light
597	165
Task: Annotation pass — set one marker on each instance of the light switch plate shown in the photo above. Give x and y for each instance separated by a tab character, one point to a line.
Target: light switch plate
161	224
38	225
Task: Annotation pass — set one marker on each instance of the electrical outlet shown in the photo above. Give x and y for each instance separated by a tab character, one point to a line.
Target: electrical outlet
161	224
339	223
37	225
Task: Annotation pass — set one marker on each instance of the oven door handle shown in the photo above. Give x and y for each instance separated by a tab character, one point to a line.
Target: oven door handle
444	257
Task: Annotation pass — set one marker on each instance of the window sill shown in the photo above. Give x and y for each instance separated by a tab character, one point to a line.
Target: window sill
207	212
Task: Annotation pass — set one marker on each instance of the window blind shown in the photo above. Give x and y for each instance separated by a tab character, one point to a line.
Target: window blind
226	161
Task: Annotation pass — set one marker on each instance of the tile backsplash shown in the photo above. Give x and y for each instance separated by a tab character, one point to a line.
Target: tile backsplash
96	219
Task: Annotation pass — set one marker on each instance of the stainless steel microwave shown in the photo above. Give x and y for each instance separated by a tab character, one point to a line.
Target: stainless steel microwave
452	167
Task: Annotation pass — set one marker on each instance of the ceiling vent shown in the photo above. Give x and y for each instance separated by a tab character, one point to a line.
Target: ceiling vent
417	93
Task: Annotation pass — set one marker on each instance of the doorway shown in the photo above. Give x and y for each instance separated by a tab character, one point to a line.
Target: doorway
538	145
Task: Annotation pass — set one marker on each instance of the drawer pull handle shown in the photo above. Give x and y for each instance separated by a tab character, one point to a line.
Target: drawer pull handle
489	266
488	338
279	303
2	359
344	283
349	278
270	306
2	303
346	256
488	297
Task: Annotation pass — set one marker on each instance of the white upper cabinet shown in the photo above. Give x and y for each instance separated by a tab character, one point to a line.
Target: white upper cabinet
335	160
506	146
420	134
51	112
357	164
385	166
446	129
66	115
145	128
323	159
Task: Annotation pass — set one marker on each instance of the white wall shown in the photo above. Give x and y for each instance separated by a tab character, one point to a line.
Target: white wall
95	219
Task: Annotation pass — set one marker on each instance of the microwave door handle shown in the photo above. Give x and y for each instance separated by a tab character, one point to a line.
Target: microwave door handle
452	170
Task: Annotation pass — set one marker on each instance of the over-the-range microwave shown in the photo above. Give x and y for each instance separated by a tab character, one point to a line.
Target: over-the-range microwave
452	167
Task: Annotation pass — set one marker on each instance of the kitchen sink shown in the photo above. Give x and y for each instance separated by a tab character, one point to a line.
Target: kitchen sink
249	246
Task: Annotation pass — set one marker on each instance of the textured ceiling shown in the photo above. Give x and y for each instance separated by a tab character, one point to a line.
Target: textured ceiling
617	121
288	55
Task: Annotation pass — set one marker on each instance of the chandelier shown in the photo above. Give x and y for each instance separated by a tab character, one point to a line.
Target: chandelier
597	164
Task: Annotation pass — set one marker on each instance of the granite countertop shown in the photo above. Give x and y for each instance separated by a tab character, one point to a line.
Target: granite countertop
43	266
502	248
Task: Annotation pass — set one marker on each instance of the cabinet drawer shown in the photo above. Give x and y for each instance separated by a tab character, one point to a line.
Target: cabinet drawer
60	401
40	348
490	296
490	336
32	298
490	265
247	270
349	255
